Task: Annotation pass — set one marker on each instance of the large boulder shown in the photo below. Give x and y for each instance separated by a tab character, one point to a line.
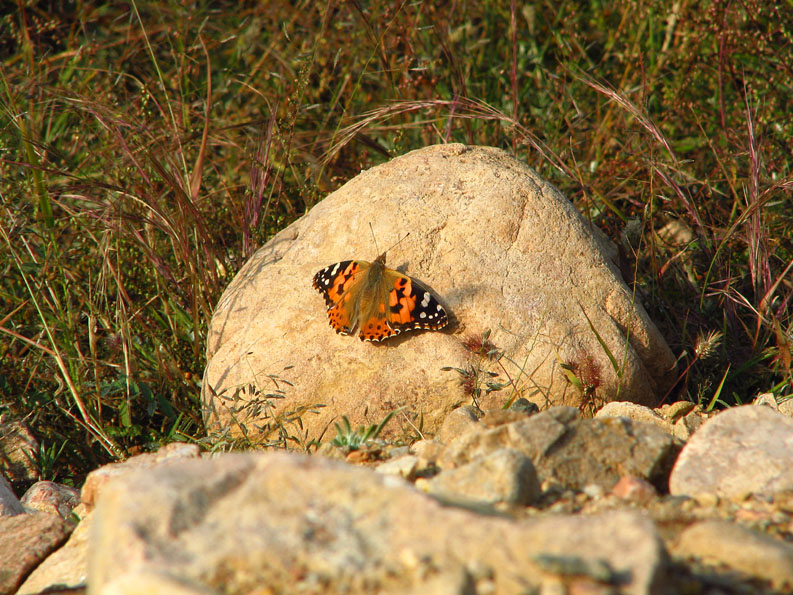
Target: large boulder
503	250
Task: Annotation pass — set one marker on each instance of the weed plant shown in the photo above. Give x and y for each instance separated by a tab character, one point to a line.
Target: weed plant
148	148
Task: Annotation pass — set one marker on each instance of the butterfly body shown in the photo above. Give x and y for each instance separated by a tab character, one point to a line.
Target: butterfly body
378	301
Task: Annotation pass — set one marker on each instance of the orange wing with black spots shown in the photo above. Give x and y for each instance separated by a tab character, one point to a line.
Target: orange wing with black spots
379	301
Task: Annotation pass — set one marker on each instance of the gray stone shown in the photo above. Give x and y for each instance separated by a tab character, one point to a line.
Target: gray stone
753	554
575	452
9	503
293	523
504	476
741	451
48	496
27	539
533	436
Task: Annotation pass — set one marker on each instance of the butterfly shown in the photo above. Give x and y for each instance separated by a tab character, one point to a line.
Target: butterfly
378	301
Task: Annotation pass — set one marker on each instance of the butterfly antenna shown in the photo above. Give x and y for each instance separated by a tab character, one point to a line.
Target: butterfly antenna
374	239
398	241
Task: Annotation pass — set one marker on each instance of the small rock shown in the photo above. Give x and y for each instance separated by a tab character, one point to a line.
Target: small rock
634	412
48	496
532	436
594	491
27	539
707	500
786	406
398	451
504	476
427	451
330	451
403	467
675	411
18	450
634	489
9	503
499	417
524	406
685	427
457	423
768	400
741	451
368	453
748	552
66	568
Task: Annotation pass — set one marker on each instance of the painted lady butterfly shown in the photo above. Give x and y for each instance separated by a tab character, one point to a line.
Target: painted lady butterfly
379	301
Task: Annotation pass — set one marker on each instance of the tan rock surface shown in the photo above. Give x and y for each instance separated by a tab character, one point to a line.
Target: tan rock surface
741	451
503	250
238	522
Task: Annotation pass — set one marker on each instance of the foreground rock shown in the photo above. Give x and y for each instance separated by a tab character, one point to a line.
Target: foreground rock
66	567
293	523
739	452
99	478
186	525
504	251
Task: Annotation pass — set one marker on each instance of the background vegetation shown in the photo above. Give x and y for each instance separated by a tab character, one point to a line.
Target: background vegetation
148	148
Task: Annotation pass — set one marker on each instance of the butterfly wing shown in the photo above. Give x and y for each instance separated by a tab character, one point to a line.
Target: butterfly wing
338	283
404	304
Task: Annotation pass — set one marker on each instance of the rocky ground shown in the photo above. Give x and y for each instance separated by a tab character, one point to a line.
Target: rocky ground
633	501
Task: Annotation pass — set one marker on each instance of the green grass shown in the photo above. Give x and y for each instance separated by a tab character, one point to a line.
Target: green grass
147	149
